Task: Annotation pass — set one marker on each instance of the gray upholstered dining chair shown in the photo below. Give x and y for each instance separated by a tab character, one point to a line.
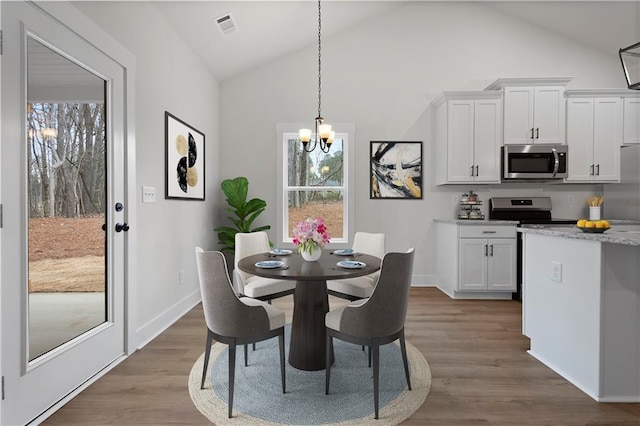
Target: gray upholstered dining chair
360	287
232	320
248	244
377	320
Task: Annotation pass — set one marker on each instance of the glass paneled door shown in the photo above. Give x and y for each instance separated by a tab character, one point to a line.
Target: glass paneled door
63	244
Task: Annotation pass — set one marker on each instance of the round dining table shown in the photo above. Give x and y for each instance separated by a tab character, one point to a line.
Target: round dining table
310	298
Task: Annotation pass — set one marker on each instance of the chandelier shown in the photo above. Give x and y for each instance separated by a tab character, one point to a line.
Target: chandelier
630	58
324	136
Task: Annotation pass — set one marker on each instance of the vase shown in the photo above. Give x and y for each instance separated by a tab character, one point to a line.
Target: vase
311	256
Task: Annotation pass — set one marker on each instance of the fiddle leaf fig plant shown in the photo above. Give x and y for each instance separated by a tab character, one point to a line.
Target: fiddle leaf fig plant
244	212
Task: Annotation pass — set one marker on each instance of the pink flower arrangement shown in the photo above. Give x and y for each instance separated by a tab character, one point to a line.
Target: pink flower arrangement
310	234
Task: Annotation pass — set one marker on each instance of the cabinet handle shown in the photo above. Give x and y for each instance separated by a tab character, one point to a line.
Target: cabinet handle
491	252
477	171
472	171
597	169
532	133
537	132
591	172
485	249
488	232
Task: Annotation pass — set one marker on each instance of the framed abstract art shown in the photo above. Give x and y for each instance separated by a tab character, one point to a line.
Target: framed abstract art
184	160
395	170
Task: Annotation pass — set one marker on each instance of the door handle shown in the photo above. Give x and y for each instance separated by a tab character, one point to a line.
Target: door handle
532	133
491	252
486	249
537	132
597	169
122	227
472	171
591	172
556	161
477	171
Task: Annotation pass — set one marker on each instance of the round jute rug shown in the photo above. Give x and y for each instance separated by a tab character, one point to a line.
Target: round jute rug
258	398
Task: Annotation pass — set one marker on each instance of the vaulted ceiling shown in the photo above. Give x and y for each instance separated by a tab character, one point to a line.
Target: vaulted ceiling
266	30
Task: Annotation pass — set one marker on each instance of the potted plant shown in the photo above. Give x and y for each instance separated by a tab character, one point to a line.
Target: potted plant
243	213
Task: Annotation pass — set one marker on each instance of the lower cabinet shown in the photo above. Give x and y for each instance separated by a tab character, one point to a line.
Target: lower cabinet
476	260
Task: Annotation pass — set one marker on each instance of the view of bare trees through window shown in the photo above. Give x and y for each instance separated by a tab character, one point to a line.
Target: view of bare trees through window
66	185
315	185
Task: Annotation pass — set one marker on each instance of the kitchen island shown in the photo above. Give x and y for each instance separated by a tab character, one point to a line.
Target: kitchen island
581	307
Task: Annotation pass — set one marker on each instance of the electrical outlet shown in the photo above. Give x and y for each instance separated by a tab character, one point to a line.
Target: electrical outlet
556	272
180	277
571	199
148	194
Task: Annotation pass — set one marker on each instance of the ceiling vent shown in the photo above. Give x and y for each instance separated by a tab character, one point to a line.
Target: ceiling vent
226	24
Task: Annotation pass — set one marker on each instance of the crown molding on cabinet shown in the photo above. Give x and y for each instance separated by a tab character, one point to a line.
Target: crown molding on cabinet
536	81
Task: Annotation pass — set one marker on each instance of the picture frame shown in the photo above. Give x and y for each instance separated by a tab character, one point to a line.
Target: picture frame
184	160
395	170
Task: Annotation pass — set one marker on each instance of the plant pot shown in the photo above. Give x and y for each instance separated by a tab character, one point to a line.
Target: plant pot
313	256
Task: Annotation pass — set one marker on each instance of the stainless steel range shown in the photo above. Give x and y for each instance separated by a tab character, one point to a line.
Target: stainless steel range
525	211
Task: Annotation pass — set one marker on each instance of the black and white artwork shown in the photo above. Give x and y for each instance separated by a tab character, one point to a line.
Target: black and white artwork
396	170
184	148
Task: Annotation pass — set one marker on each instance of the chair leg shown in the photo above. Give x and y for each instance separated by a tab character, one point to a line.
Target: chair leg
369	349
375	348
328	364
207	353
281	344
246	362
403	349
232	373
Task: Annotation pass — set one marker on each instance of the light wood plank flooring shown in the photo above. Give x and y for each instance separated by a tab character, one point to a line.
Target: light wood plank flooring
477	354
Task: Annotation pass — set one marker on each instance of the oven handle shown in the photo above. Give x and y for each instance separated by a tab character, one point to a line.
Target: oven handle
556	162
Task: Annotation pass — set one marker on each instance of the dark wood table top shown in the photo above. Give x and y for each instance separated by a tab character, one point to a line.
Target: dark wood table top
296	268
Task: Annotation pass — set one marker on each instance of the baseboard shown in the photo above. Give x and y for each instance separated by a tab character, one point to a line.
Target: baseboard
423	280
164	320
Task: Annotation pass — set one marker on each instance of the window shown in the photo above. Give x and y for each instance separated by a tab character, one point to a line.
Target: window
315	184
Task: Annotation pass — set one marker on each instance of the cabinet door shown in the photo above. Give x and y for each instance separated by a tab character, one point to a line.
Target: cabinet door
460	141
580	139
487	124
501	267
549	115
631	124
518	115
473	264
607	138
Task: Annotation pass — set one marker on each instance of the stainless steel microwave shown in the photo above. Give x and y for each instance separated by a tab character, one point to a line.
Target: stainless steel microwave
534	162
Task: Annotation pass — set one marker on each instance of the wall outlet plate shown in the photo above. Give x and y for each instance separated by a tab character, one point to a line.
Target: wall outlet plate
556	272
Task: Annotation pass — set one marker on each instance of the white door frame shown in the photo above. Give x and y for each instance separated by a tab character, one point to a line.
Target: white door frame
66	14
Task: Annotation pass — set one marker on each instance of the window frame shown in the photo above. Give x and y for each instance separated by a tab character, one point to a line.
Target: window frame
287	131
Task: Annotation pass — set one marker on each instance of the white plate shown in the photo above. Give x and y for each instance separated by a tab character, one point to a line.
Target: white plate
280	252
269	264
345	252
351	264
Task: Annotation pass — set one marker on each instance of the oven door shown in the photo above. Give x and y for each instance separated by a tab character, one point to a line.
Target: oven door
537	162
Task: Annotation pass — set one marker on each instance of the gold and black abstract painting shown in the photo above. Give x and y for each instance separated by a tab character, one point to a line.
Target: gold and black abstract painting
396	170
184	152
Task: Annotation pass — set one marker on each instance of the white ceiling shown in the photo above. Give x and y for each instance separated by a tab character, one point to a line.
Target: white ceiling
271	29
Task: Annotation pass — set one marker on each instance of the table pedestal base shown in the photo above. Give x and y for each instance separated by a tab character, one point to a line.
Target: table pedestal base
308	332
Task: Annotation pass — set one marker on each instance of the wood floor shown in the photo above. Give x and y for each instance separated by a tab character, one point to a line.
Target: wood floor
477	354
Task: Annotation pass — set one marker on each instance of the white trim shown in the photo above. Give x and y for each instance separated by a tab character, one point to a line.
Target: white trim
429	280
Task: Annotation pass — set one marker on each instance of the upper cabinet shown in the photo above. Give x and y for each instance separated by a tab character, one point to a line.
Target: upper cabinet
468	137
534	109
631	120
594	137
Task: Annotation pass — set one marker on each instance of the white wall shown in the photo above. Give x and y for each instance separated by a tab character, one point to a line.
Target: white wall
382	75
170	77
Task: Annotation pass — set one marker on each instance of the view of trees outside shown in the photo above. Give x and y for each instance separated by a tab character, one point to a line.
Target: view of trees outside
66	159
315	185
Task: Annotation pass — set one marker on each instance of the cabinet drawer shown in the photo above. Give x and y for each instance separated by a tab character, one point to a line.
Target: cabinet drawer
487	231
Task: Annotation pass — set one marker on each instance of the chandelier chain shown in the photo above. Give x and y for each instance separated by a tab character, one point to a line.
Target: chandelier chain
319	59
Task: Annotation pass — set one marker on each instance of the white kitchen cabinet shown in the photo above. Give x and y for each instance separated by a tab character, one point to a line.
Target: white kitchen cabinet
631	121
468	135
476	261
534	110
594	137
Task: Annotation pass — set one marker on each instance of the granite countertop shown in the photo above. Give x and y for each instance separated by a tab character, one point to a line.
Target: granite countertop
483	222
621	232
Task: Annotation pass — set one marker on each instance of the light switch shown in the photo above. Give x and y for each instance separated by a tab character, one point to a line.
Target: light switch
148	194
556	272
